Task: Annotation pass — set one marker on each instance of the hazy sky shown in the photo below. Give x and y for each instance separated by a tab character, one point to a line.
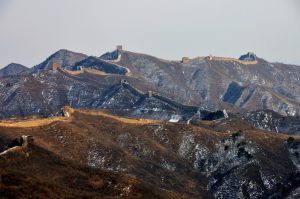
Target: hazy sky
31	30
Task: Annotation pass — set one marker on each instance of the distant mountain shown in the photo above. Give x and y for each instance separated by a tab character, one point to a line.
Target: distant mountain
62	57
218	83
210	83
14	69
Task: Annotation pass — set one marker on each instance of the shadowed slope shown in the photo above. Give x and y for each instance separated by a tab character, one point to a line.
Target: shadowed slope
45	175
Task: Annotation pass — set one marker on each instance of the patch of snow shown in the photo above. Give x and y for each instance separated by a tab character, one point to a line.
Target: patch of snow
175	118
186	145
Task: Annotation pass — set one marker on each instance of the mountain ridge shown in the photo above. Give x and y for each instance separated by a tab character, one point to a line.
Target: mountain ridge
208	127
213	83
192	161
14	69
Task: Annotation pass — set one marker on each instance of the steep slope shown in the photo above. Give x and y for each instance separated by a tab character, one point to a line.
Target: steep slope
46	92
272	121
186	160
45	175
251	84
112	56
212	83
98	64
14	69
124	99
164	76
64	58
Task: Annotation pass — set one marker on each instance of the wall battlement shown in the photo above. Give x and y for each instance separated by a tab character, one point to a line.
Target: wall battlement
119	47
55	66
185	60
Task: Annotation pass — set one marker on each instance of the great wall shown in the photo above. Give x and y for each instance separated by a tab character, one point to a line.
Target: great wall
29	123
226	59
123	83
209	115
19	146
205	114
247	59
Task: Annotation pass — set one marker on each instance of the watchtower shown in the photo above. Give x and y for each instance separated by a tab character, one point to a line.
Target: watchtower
66	111
225	113
150	93
250	56
185	60
210	57
27	140
55	66
119	47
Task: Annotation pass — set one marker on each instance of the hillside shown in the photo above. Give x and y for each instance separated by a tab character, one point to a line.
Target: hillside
143	86
46	92
194	161
14	69
217	83
213	83
46	175
62	57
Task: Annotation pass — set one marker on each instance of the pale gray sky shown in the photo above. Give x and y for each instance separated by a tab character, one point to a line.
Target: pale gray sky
31	30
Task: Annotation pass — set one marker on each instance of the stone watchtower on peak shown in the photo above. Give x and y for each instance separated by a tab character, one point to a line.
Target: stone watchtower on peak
119	47
185	60
250	56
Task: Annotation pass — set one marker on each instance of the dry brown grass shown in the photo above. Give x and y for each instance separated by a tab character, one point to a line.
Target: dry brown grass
73	138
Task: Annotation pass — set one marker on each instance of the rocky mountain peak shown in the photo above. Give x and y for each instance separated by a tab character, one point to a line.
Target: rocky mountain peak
13	69
63	57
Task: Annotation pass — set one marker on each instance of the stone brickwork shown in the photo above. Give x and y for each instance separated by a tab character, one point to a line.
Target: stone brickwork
185	60
119	47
